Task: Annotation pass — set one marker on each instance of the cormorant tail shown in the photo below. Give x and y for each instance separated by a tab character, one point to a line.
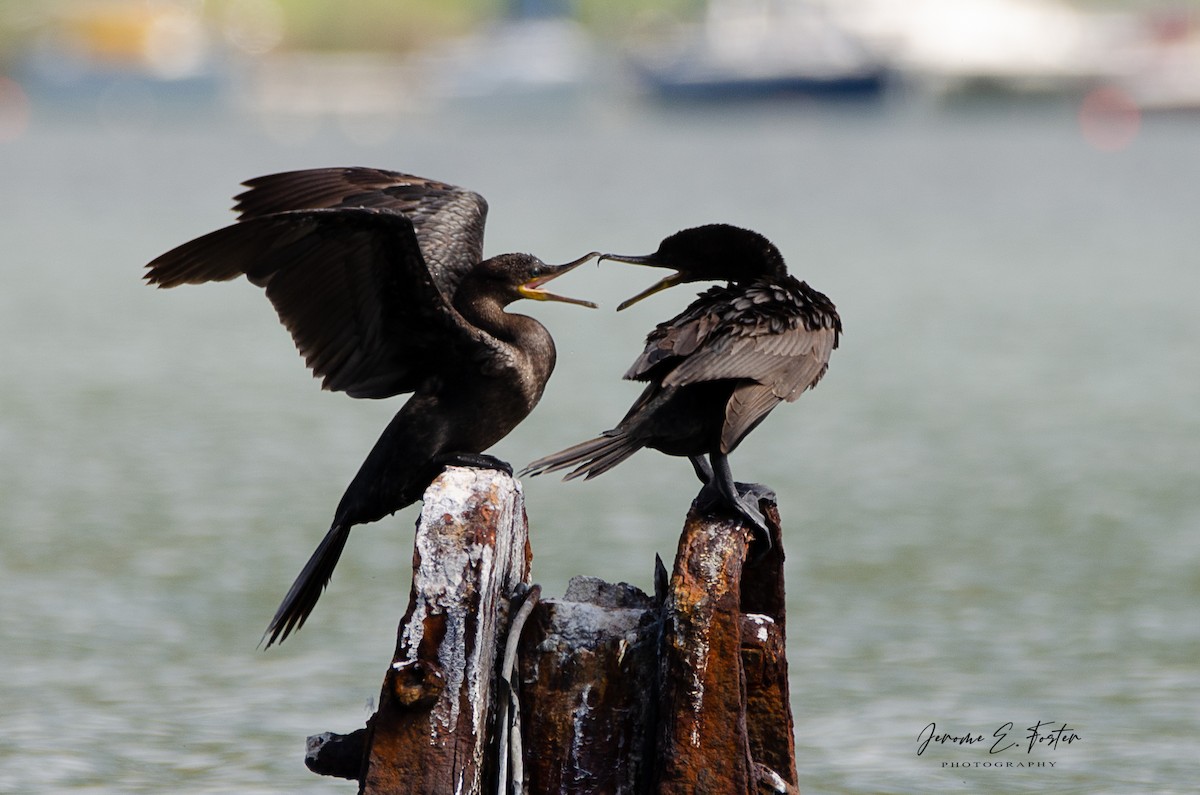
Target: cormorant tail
307	588
591	458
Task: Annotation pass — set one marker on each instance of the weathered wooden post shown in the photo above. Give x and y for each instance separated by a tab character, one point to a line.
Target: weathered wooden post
613	691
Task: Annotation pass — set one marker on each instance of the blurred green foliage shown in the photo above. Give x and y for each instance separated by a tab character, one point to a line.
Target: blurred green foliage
400	25
406	24
373	24
389	25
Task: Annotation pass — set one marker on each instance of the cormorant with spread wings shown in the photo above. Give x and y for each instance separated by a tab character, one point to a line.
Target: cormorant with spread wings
380	278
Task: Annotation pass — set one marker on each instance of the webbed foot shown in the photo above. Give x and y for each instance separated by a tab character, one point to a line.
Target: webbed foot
476	461
745	503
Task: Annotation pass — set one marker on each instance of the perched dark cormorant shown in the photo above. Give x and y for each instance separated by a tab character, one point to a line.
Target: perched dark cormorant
716	369
378	277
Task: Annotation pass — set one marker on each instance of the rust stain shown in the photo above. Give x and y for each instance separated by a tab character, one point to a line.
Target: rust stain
605	712
416	683
703	745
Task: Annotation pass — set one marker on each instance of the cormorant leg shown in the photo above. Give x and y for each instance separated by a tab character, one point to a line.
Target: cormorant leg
475	460
711	495
722	489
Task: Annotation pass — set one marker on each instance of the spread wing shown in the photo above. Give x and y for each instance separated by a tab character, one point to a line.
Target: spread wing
774	338
448	221
350	284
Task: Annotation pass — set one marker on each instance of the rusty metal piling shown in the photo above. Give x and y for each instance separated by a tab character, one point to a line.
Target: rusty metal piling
605	690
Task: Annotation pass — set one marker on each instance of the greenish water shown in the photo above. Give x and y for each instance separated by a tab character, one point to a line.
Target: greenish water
991	504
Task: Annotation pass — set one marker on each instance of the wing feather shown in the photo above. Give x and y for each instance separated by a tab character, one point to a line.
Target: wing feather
775	338
789	362
349	284
747	407
448	220
676	339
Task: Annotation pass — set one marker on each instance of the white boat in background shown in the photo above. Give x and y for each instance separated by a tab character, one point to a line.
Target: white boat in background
747	49
994	47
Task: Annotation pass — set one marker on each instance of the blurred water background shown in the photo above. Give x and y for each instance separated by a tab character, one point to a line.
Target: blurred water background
991	503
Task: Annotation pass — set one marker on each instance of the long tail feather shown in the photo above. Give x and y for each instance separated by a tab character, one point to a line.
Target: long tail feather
589	458
602	463
307	588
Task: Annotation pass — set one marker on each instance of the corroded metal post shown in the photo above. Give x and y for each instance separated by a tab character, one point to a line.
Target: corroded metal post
683	693
589	664
769	722
432	730
610	691
725	722
702	741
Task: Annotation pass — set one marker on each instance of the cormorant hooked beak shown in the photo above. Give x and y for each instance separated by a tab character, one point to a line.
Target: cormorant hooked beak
657	287
533	288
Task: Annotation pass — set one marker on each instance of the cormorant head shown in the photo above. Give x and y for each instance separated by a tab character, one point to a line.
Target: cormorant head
519	276
708	253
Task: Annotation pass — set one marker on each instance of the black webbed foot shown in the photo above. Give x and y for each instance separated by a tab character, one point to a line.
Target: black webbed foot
742	498
745	504
753	494
475	460
755	491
